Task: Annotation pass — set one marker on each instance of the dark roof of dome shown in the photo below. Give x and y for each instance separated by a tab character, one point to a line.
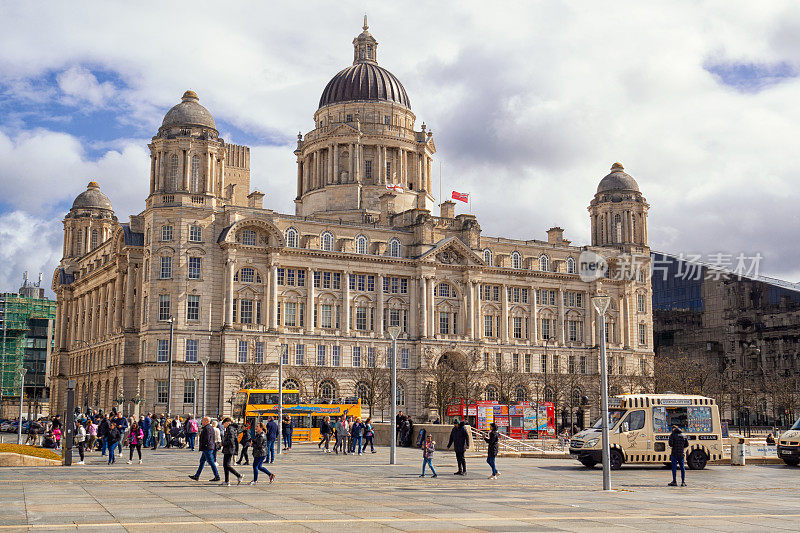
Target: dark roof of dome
364	81
92	198
617	180
189	113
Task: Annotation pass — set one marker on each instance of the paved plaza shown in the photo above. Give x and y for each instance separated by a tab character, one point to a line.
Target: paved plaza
332	493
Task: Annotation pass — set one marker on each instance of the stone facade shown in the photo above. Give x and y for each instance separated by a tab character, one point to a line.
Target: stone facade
242	284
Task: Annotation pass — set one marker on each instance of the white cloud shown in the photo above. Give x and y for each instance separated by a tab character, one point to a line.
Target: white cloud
28	243
538	99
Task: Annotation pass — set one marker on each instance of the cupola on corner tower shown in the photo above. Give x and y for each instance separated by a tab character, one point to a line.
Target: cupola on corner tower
619	212
363	142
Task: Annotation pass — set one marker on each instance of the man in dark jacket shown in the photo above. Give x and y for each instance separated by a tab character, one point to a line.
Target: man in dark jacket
102	433
245	442
677	443
207	444
230	443
272	435
113	436
459	440
145	425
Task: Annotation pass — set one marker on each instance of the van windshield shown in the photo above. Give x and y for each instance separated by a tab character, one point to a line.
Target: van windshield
796	425
614	416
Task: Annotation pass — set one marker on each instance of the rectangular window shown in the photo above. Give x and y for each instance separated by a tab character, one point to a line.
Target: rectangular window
621	365
571	364
166	233
388	170
164	311
370	283
488	322
193	307
299	354
249	237
162	355
188	391
609	332
352	281
195	234
356	356
641	303
444	323
194	268
336	358
394	317
368	169
517	327
144	309
578	299
528	367
258	356
498	361
643	334
317	277
321	355
361	318
285	353
371	357
290	316
486	357
573	331
404	358
515	362
545	328
583	364
166	268
386	284
290	272
327	315
362	282
337	281
191	350
544	363
281	276
301	278
326	280
162	391
386	120
246	315
242	354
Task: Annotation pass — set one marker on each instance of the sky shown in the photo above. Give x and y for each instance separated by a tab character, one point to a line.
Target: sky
530	103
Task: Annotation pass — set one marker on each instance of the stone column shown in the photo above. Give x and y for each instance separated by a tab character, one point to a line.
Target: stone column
379	289
414	301
504	317
222	171
109	325
422	310
357	163
299	178
534	336
625	320
346	301
561	315
152	173
336	176
466	310
209	184
186	170
588	335
330	164
478	313
265	307
129	303
432	322
310	300
273	294
381	159
230	264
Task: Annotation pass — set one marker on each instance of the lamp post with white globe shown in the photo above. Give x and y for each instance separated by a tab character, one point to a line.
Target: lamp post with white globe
601	303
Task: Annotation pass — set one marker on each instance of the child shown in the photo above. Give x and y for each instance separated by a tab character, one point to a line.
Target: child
427	455
57	437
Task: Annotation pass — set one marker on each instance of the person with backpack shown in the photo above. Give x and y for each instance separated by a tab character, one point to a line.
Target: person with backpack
191	431
229	444
259	452
245	442
491	452
427	455
135	439
459	440
677	444
369	435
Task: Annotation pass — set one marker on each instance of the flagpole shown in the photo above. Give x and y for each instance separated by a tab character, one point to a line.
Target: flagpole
469	195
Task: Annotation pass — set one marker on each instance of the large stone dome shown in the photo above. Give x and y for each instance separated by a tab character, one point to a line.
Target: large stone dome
92	198
364	81
617	180
189	113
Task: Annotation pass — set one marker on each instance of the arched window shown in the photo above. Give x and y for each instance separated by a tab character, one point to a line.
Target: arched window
173	172
327	241
292	238
548	394
520	394
576	397
492	394
401	394
327	390
394	248
94	239
361	245
362	391
290	384
195	174
571	266
544	263
516	260
487	256
247	275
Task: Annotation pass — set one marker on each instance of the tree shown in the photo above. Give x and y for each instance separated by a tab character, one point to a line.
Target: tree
314	376
440	377
377	384
468	375
253	375
507	380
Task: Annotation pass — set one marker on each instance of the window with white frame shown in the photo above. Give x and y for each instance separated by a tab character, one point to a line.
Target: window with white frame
516	260
571	266
362	245
299	354
247	275
162	352
194	268
487	256
492	394
327	241
242	352
544	263
246	311
583	365
356	356
326	316
162	391
404	358
488	325
191	350
643	334
195	184
290	316
371	357
575	329
336	356
394	248
164	310
188	391
361	318
166	233
258	354
195	233
327	390
528	363
292	238
173	172
641	303
401	394
518	329
321	355
166	268
248	237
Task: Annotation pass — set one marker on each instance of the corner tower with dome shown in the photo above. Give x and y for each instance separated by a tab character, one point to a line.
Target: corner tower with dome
205	271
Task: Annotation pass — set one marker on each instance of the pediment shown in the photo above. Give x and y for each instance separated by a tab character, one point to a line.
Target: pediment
452	251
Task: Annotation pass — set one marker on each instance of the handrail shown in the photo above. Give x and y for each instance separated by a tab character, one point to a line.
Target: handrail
504	442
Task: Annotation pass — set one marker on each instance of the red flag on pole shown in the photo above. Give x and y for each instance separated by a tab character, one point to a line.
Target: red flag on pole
461	196
395	187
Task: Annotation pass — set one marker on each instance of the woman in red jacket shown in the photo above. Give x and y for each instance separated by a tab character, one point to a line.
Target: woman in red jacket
135	438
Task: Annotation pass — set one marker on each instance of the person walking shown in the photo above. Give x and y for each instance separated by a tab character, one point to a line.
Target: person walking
272	436
207	443
677	443
287	428
162	431
259	451
155	430
191	431
102	433
92	434
80	441
122	426
339	434
357	435
491	452
229	444
112	437
459	440
369	435
135	439
145	425
324	434
427	455
245	442
217	440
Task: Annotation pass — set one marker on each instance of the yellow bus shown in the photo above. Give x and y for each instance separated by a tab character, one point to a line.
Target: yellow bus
249	405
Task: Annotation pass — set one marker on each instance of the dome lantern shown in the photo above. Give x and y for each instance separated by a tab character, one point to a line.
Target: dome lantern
189	112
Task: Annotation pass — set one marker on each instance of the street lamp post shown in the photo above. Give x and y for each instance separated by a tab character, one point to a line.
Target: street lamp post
546	364
169	368
22	372
281	354
394	332
601	303
204	359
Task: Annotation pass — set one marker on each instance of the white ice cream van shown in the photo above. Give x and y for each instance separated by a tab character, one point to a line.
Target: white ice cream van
789	445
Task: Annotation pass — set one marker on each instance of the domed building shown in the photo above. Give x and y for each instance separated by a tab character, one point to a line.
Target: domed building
206	274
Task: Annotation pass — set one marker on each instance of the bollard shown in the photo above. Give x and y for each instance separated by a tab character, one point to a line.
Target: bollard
738	452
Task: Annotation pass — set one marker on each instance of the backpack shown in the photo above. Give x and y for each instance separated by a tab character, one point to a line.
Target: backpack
193	426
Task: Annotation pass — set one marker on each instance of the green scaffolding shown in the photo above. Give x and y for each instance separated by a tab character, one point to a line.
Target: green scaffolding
16	312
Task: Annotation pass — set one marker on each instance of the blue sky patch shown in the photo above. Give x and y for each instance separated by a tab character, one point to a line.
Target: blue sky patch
751	77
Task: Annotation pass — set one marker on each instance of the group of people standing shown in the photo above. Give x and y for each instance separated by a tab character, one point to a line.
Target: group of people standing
350	434
459	440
